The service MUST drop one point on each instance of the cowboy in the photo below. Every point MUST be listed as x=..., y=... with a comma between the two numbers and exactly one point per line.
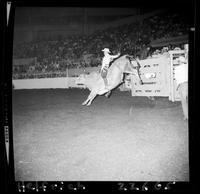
x=145, y=52
x=181, y=75
x=186, y=49
x=106, y=63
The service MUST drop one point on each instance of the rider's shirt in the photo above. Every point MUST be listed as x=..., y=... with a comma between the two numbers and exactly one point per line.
x=106, y=61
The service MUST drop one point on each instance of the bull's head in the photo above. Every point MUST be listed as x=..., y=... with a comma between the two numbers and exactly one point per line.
x=80, y=80
x=134, y=64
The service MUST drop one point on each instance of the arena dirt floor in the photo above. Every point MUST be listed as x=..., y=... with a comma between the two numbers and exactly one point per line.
x=121, y=138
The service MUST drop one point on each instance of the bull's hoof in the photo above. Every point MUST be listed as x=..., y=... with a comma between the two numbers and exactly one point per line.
x=107, y=95
x=151, y=98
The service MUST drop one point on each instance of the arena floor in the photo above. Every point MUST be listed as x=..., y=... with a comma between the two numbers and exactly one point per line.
x=121, y=138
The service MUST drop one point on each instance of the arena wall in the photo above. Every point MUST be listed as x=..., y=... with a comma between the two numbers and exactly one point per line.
x=46, y=83
x=58, y=82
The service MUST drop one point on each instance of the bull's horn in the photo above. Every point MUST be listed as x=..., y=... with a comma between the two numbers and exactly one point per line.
x=129, y=57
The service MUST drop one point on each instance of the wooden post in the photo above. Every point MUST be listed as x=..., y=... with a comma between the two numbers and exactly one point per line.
x=8, y=11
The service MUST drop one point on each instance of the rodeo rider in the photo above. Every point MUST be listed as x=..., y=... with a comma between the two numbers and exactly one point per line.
x=106, y=63
x=181, y=76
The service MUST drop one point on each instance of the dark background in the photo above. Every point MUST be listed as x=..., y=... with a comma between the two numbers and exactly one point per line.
x=186, y=7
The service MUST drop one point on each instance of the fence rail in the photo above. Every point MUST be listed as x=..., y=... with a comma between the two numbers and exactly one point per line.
x=66, y=73
x=25, y=61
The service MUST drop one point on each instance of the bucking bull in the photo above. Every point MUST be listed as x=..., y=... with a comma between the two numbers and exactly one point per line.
x=94, y=82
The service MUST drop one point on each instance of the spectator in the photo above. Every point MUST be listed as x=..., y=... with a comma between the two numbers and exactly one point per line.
x=144, y=52
x=127, y=38
x=181, y=76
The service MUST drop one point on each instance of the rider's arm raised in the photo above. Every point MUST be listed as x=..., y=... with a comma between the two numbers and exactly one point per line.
x=115, y=56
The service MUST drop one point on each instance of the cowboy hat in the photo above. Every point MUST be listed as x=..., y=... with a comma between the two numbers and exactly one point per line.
x=106, y=50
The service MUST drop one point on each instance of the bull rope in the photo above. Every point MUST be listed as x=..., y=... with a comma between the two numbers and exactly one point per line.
x=137, y=68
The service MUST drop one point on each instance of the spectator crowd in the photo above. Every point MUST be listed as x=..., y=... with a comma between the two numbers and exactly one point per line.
x=55, y=57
